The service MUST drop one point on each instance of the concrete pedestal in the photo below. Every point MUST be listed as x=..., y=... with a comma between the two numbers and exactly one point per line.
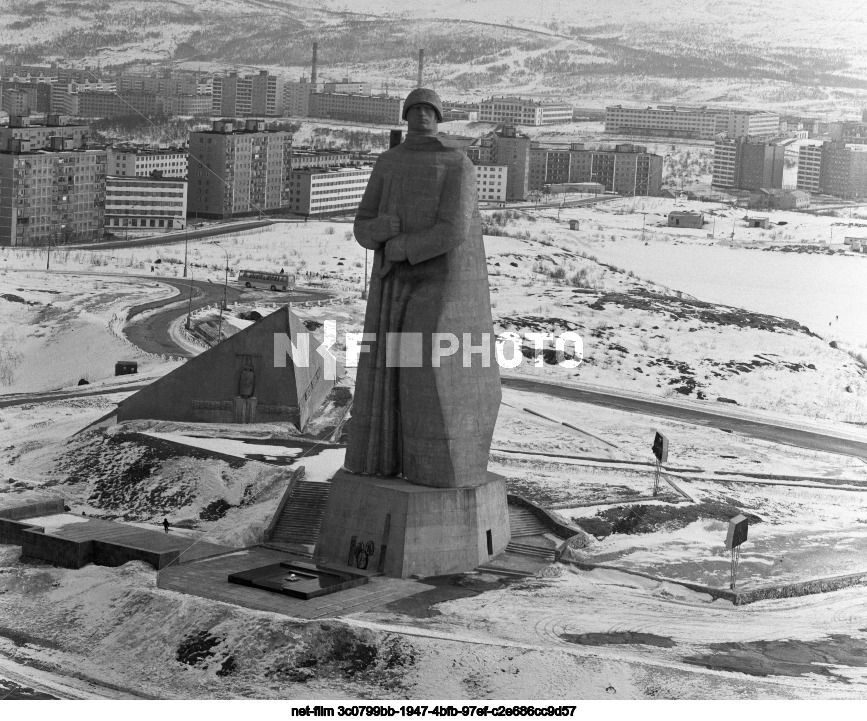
x=245, y=409
x=403, y=529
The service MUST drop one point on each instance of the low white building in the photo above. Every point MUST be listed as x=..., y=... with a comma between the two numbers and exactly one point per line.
x=141, y=162
x=327, y=191
x=153, y=204
x=491, y=182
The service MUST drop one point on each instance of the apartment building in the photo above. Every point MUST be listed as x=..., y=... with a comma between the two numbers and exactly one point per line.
x=843, y=170
x=491, y=182
x=739, y=163
x=512, y=149
x=39, y=135
x=18, y=102
x=327, y=191
x=346, y=85
x=187, y=104
x=809, y=167
x=625, y=169
x=51, y=195
x=99, y=104
x=39, y=100
x=237, y=95
x=131, y=161
x=382, y=109
x=690, y=122
x=152, y=203
x=296, y=97
x=237, y=169
x=310, y=158
x=158, y=85
x=524, y=111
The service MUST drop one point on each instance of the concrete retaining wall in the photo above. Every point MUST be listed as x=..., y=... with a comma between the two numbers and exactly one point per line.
x=46, y=507
x=11, y=532
x=53, y=549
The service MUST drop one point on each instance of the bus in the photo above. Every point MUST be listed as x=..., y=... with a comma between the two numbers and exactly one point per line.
x=260, y=279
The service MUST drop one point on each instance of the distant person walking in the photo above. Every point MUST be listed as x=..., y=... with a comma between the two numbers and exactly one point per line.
x=166, y=525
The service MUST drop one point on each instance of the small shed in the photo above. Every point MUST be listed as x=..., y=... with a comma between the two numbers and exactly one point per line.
x=573, y=225
x=685, y=219
x=125, y=367
x=758, y=222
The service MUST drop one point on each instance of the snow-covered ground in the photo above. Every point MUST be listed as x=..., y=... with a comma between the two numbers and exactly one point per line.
x=481, y=646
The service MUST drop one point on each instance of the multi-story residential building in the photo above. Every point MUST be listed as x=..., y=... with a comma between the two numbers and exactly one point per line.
x=236, y=95
x=130, y=161
x=296, y=97
x=186, y=104
x=153, y=203
x=347, y=86
x=690, y=122
x=40, y=102
x=739, y=163
x=626, y=169
x=39, y=136
x=809, y=167
x=512, y=149
x=327, y=191
x=310, y=158
x=51, y=195
x=523, y=111
x=491, y=181
x=843, y=170
x=157, y=85
x=94, y=104
x=752, y=124
x=17, y=101
x=237, y=169
x=63, y=102
x=359, y=108
x=267, y=94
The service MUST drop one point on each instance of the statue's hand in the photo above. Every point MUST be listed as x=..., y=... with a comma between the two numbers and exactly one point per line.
x=395, y=250
x=385, y=227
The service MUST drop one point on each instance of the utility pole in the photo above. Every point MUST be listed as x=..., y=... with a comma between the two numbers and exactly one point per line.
x=225, y=291
x=364, y=289
x=190, y=305
x=186, y=248
x=643, y=221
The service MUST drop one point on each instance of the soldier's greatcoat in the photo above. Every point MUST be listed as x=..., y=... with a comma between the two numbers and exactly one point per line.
x=432, y=425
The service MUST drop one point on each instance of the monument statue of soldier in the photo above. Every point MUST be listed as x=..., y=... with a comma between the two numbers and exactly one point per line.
x=428, y=387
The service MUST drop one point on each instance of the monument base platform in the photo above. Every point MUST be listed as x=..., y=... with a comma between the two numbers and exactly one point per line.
x=401, y=529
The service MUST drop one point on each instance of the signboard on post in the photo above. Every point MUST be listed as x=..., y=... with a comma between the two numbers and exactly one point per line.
x=737, y=532
x=660, y=447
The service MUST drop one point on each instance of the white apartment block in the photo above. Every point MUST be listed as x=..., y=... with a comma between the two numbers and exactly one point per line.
x=142, y=162
x=359, y=108
x=491, y=180
x=809, y=167
x=335, y=191
x=145, y=204
x=725, y=159
x=690, y=122
x=523, y=111
x=752, y=124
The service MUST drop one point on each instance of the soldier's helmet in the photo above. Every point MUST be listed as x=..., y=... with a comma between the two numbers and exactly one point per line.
x=424, y=96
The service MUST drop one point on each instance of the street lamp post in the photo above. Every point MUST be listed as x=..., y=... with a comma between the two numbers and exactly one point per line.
x=186, y=249
x=364, y=290
x=190, y=304
x=225, y=291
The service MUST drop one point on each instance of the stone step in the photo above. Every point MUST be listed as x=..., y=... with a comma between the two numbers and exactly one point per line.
x=526, y=550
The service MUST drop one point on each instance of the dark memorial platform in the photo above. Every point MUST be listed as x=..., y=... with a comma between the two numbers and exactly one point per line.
x=298, y=579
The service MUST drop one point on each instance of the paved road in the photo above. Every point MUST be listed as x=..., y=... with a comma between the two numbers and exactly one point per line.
x=187, y=235
x=764, y=430
x=151, y=333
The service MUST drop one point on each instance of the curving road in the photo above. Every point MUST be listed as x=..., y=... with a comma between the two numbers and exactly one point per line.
x=752, y=427
x=151, y=334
